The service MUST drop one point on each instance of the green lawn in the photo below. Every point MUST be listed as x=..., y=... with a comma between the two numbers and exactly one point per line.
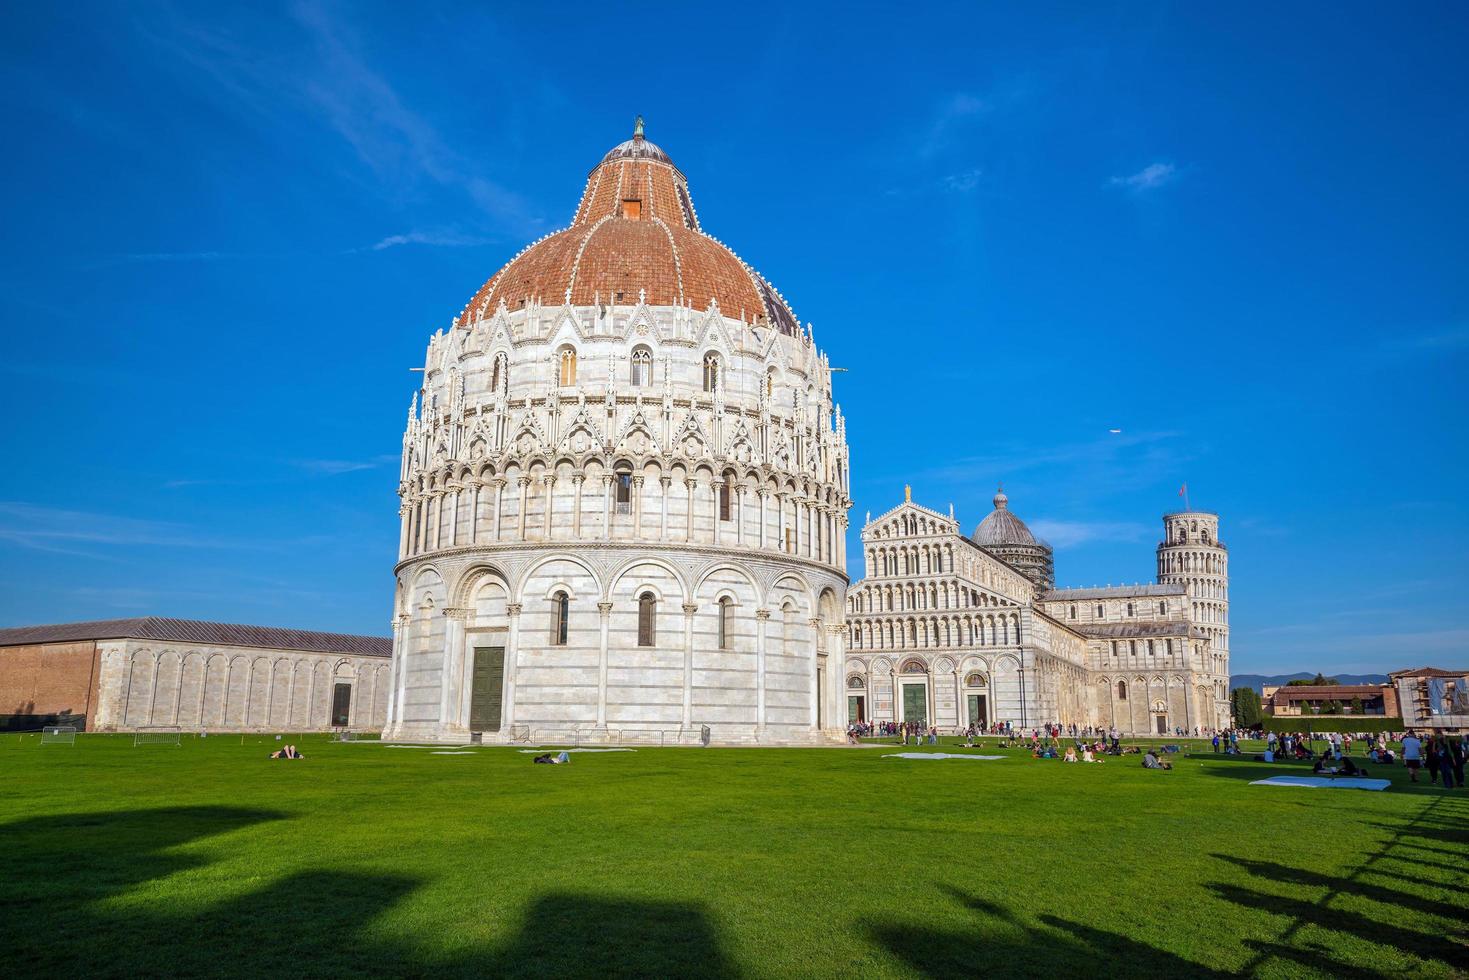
x=206, y=859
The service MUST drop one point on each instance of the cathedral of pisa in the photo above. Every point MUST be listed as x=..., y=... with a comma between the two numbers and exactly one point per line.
x=624, y=498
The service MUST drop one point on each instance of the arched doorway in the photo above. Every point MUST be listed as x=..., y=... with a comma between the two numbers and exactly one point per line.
x=913, y=690
x=976, y=701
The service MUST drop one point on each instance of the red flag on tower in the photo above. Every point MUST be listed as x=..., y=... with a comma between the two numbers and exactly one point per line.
x=1183, y=490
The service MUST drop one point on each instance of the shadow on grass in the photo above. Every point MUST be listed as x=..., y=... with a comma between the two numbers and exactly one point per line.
x=1383, y=930
x=83, y=895
x=1001, y=942
x=1286, y=874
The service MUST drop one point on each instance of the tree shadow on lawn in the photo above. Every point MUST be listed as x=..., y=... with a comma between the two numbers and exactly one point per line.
x=63, y=873
x=1379, y=930
x=1001, y=942
x=1378, y=893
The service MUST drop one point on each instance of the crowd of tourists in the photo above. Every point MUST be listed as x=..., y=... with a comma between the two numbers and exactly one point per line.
x=1443, y=756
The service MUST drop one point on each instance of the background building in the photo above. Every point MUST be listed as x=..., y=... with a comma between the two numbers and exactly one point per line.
x=124, y=674
x=1433, y=699
x=954, y=631
x=624, y=493
x=1366, y=700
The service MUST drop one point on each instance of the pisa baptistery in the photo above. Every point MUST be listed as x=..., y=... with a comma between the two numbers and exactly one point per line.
x=624, y=494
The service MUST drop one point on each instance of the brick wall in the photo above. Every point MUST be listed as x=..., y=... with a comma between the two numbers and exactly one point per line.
x=48, y=679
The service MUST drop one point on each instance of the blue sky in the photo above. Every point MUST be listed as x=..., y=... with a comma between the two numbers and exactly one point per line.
x=1237, y=234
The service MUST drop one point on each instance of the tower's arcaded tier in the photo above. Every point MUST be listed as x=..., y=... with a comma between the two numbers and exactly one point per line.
x=624, y=494
x=1191, y=555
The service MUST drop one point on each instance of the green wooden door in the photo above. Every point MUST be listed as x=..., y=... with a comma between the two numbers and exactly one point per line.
x=915, y=704
x=487, y=689
x=854, y=709
x=976, y=711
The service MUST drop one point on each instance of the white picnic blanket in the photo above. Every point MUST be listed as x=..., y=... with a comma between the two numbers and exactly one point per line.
x=939, y=755
x=1322, y=782
x=464, y=752
x=540, y=751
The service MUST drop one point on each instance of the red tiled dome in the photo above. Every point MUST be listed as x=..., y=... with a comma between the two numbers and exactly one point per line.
x=635, y=229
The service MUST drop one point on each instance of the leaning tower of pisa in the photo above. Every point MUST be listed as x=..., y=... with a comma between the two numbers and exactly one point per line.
x=1191, y=555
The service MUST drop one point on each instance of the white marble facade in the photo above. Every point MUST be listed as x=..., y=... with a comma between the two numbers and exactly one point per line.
x=217, y=688
x=945, y=633
x=671, y=480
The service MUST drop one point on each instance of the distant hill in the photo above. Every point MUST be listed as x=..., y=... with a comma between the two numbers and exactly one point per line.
x=1258, y=681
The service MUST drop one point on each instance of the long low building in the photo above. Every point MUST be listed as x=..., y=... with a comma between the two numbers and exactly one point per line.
x=153, y=672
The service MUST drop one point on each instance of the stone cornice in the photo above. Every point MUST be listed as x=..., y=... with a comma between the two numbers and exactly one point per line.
x=575, y=545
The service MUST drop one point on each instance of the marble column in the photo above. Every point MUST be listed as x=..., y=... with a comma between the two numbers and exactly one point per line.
x=637, y=507
x=512, y=654
x=607, y=481
x=665, y=482
x=577, y=479
x=524, y=483
x=816, y=628
x=689, y=608
x=499, y=503
x=604, y=609
x=762, y=619
x=401, y=643
x=739, y=515
x=452, y=673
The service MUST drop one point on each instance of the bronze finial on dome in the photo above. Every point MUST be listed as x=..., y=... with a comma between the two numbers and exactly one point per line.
x=637, y=128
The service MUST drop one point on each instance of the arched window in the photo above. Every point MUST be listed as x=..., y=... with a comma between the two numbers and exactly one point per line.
x=974, y=680
x=711, y=371
x=1099, y=610
x=724, y=500
x=1129, y=609
x=624, y=493
x=1162, y=608
x=568, y=366
x=560, y=612
x=1073, y=612
x=1122, y=690
x=647, y=611
x=856, y=683
x=641, y=367
x=726, y=622
x=499, y=373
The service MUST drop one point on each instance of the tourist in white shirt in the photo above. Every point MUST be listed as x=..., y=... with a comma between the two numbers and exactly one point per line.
x=1412, y=754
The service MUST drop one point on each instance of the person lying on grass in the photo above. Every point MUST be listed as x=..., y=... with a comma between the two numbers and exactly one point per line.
x=559, y=759
x=1151, y=761
x=288, y=752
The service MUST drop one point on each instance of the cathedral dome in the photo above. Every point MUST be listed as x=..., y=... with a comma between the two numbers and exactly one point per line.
x=636, y=235
x=1002, y=528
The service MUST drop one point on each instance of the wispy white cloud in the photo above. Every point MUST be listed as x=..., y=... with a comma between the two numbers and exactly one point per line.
x=1066, y=534
x=949, y=118
x=331, y=78
x=964, y=182
x=1152, y=176
x=439, y=239
x=1137, y=452
x=1433, y=341
x=62, y=531
x=333, y=467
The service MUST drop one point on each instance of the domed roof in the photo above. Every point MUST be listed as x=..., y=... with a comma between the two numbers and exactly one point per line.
x=635, y=232
x=1002, y=528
